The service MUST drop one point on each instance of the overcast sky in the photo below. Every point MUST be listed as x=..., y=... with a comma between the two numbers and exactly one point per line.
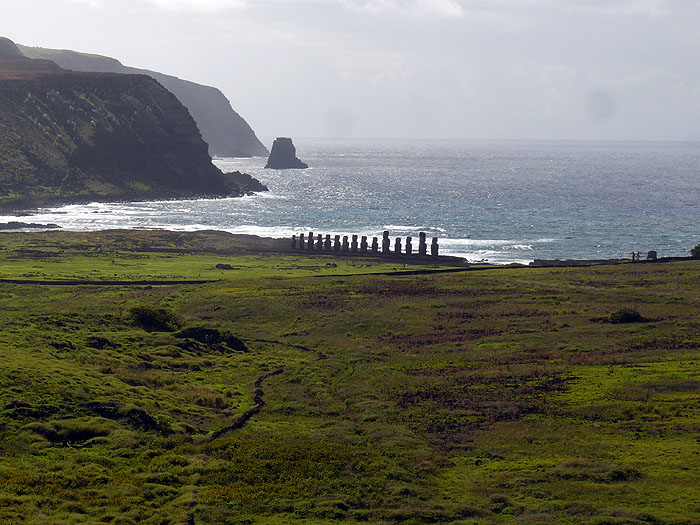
x=491, y=69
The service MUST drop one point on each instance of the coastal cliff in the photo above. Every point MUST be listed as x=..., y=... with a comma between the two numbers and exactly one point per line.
x=74, y=137
x=224, y=130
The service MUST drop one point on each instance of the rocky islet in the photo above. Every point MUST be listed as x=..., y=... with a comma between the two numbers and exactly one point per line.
x=283, y=156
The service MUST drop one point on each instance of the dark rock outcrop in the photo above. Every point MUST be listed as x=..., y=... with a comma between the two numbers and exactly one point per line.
x=14, y=225
x=246, y=183
x=212, y=337
x=224, y=130
x=284, y=156
x=70, y=137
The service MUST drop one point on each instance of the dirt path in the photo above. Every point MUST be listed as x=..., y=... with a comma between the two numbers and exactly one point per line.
x=78, y=282
x=259, y=403
x=281, y=343
x=259, y=400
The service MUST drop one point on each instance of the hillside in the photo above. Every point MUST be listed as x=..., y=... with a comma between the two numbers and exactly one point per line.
x=67, y=137
x=226, y=132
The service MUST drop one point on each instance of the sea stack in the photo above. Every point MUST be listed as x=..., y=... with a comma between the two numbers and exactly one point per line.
x=284, y=156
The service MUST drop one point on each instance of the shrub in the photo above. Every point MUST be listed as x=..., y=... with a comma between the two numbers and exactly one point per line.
x=695, y=252
x=211, y=336
x=152, y=318
x=71, y=430
x=626, y=315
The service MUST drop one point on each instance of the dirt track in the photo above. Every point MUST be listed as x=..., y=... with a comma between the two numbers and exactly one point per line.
x=77, y=282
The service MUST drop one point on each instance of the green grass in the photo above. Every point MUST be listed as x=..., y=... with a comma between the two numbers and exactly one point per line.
x=100, y=257
x=495, y=396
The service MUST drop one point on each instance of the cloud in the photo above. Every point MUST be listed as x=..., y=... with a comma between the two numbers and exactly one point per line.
x=650, y=8
x=89, y=3
x=412, y=8
x=440, y=9
x=432, y=9
x=206, y=6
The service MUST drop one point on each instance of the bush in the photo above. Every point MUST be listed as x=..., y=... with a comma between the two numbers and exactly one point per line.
x=211, y=336
x=626, y=315
x=71, y=430
x=152, y=318
x=695, y=252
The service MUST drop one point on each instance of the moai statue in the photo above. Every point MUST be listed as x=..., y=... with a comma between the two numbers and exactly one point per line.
x=375, y=245
x=397, y=246
x=386, y=243
x=434, y=247
x=310, y=243
x=409, y=246
x=294, y=242
x=336, y=244
x=346, y=244
x=327, y=244
x=422, y=245
x=353, y=246
x=301, y=241
x=319, y=242
x=363, y=244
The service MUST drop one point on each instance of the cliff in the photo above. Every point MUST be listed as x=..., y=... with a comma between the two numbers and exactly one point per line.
x=14, y=65
x=246, y=182
x=75, y=137
x=8, y=49
x=224, y=130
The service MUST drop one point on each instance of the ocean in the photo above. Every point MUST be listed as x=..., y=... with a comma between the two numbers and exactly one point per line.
x=496, y=201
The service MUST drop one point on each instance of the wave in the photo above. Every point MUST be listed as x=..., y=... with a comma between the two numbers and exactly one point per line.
x=503, y=244
x=266, y=195
x=276, y=232
x=404, y=228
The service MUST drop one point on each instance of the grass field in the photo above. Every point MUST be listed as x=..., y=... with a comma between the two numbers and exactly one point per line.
x=497, y=396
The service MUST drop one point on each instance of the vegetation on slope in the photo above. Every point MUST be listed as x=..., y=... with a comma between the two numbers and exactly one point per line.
x=481, y=397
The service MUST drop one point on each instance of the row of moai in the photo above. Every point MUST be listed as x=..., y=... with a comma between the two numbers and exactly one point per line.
x=321, y=244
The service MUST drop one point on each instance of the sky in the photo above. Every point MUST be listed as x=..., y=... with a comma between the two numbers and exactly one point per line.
x=463, y=69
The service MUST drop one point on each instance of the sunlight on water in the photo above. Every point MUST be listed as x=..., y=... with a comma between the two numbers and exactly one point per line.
x=496, y=201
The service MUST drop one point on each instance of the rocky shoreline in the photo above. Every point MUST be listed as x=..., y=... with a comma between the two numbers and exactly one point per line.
x=225, y=243
x=244, y=183
x=16, y=225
